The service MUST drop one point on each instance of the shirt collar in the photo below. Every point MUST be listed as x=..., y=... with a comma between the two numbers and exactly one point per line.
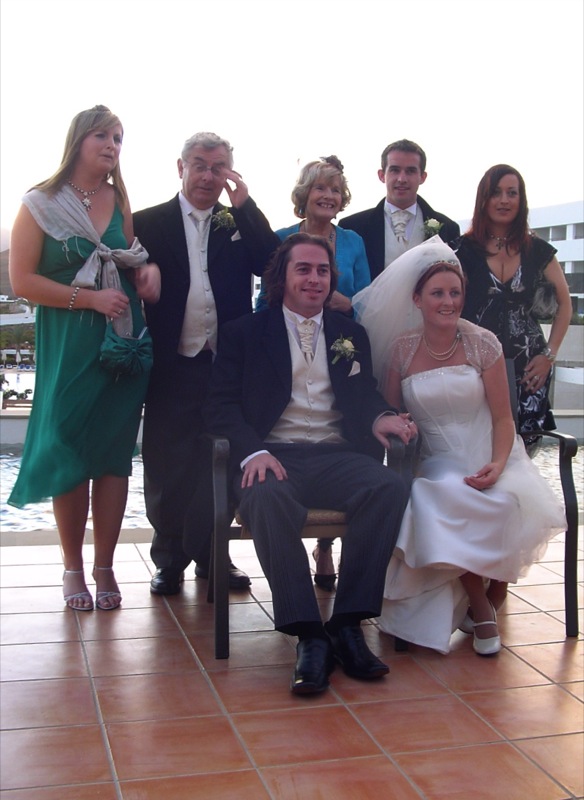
x=389, y=207
x=294, y=317
x=188, y=208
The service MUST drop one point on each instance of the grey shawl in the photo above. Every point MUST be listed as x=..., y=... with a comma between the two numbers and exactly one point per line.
x=63, y=217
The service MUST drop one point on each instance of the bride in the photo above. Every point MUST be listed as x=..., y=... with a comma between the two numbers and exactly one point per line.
x=480, y=513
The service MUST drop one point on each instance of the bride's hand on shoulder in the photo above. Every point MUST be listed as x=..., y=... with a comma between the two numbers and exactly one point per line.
x=485, y=477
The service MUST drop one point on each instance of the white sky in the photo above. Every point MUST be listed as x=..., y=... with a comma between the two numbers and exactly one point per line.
x=484, y=81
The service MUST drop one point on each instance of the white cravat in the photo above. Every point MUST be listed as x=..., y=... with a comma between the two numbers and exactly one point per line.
x=201, y=223
x=399, y=221
x=306, y=333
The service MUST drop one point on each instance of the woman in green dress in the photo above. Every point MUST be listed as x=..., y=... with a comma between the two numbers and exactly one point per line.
x=73, y=253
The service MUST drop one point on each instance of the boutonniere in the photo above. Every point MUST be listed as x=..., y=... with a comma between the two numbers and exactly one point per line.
x=223, y=219
x=432, y=227
x=344, y=348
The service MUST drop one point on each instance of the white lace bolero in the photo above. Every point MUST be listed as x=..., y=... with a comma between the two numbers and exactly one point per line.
x=481, y=347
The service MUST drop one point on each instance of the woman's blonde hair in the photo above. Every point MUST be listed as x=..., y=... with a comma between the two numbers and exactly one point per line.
x=325, y=169
x=93, y=119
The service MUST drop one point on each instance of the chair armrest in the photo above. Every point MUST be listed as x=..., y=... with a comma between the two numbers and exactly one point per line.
x=220, y=462
x=401, y=458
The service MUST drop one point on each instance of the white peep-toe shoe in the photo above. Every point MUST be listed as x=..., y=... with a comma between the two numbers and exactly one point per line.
x=490, y=646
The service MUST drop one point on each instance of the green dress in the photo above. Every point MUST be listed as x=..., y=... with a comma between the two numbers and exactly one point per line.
x=84, y=420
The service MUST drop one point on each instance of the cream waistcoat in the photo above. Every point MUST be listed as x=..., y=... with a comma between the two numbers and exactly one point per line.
x=310, y=417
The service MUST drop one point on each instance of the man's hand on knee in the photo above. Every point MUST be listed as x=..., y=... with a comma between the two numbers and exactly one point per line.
x=258, y=466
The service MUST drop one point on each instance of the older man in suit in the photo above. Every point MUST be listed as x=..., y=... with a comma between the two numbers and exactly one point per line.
x=403, y=219
x=207, y=256
x=293, y=390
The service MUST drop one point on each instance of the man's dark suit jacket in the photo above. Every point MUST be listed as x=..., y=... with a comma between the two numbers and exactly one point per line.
x=234, y=255
x=370, y=225
x=252, y=382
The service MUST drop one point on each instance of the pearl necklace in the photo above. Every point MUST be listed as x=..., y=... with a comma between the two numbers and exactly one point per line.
x=447, y=353
x=86, y=195
x=501, y=241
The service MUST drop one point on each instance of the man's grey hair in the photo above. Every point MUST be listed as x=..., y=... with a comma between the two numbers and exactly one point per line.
x=209, y=141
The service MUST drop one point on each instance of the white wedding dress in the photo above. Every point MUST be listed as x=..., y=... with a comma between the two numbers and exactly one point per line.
x=450, y=528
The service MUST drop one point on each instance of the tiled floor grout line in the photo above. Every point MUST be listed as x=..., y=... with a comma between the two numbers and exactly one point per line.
x=504, y=739
x=102, y=724
x=533, y=760
x=383, y=750
x=515, y=648
x=224, y=711
x=512, y=742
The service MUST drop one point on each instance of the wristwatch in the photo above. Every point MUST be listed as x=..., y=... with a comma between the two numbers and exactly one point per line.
x=547, y=352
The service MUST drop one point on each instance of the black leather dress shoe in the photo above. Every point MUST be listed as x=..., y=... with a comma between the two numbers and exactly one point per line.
x=166, y=581
x=314, y=663
x=237, y=578
x=352, y=653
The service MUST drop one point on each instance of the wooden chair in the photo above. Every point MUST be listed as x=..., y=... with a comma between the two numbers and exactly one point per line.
x=567, y=449
x=320, y=523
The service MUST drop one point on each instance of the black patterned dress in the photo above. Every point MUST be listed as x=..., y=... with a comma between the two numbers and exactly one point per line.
x=506, y=309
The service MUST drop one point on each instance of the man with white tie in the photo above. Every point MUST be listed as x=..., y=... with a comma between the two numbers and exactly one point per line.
x=403, y=219
x=207, y=255
x=293, y=391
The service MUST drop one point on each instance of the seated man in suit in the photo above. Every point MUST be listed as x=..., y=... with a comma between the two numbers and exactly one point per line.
x=404, y=219
x=292, y=389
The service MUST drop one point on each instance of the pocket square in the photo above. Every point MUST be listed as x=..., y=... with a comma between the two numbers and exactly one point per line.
x=236, y=236
x=355, y=369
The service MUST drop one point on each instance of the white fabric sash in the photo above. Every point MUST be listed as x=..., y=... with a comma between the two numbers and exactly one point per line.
x=62, y=217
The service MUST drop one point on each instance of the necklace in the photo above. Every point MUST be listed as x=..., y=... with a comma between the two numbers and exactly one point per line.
x=331, y=235
x=501, y=241
x=447, y=353
x=86, y=195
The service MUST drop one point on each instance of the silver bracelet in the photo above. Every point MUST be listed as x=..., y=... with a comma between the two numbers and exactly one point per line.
x=73, y=298
x=547, y=352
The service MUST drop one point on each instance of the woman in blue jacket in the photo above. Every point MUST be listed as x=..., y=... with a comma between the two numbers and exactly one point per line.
x=320, y=193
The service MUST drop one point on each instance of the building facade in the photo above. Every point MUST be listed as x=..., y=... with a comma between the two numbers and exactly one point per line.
x=563, y=227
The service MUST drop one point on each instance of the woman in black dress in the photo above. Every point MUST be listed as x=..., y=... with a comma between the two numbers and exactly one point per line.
x=514, y=281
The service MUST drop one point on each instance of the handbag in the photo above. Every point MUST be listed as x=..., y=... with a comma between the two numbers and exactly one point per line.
x=545, y=300
x=126, y=355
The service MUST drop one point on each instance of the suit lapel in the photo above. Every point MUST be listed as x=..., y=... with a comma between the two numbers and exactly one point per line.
x=377, y=239
x=427, y=211
x=339, y=372
x=172, y=232
x=218, y=237
x=275, y=341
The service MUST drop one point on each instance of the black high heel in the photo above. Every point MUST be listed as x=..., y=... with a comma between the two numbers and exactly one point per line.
x=323, y=552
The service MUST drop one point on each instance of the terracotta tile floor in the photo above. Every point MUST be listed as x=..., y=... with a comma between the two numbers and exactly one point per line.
x=132, y=705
